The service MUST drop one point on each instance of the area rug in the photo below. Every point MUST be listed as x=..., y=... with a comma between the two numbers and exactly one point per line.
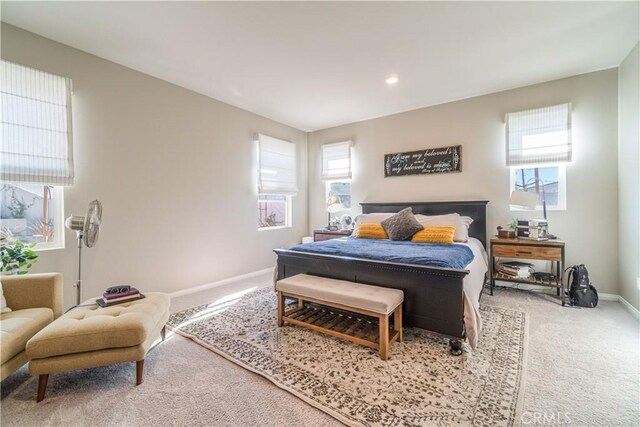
x=420, y=385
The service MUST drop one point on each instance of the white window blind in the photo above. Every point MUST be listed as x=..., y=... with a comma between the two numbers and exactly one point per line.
x=37, y=140
x=276, y=166
x=538, y=136
x=336, y=160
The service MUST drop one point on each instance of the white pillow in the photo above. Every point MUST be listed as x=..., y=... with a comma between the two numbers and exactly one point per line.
x=3, y=302
x=372, y=218
x=460, y=222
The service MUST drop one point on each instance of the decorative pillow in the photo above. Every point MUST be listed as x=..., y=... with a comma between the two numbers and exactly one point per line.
x=3, y=302
x=402, y=225
x=441, y=234
x=371, y=231
x=461, y=224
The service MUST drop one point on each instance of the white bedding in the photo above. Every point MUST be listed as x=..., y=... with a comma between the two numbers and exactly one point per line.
x=472, y=288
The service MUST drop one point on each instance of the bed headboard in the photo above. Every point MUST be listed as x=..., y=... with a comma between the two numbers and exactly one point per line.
x=476, y=209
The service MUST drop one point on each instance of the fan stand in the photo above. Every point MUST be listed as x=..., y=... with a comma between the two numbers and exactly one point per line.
x=78, y=285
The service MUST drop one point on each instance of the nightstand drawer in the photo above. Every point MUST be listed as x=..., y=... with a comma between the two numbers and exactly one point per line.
x=528, y=252
x=323, y=234
x=319, y=237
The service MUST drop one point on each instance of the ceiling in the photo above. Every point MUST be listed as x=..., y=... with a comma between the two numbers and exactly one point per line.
x=318, y=65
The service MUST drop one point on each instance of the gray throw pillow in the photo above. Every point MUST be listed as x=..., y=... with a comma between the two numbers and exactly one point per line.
x=401, y=226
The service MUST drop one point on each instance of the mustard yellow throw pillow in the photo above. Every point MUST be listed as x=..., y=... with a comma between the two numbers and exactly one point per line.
x=441, y=234
x=371, y=231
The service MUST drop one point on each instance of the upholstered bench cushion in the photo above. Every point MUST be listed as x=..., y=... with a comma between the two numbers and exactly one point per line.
x=17, y=327
x=357, y=295
x=94, y=328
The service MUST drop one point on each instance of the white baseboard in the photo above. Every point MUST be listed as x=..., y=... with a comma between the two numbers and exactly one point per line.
x=219, y=283
x=608, y=297
x=615, y=297
x=631, y=309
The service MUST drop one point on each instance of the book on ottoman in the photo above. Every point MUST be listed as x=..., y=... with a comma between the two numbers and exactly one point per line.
x=119, y=294
x=104, y=302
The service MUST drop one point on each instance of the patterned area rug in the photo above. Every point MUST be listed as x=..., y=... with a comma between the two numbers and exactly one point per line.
x=420, y=385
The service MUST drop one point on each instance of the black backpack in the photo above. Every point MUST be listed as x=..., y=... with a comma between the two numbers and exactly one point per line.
x=581, y=292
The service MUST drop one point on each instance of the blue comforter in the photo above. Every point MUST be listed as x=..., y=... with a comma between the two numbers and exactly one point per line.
x=427, y=254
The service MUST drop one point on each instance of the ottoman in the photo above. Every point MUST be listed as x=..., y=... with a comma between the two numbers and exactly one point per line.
x=91, y=336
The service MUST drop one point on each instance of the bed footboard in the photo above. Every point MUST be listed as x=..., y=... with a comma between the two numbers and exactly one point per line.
x=433, y=297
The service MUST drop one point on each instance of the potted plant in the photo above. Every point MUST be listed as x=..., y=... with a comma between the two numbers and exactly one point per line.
x=17, y=258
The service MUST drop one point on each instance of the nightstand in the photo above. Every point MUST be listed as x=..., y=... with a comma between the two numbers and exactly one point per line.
x=540, y=250
x=320, y=234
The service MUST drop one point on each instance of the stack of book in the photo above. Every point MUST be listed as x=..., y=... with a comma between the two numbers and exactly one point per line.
x=109, y=299
x=515, y=269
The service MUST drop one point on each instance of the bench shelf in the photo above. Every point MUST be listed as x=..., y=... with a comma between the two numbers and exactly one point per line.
x=358, y=326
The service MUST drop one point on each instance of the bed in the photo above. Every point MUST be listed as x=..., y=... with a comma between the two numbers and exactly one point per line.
x=439, y=299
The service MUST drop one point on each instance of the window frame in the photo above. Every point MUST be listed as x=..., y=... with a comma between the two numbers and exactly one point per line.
x=562, y=185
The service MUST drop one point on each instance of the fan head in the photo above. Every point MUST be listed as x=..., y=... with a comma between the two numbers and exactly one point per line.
x=87, y=227
x=92, y=222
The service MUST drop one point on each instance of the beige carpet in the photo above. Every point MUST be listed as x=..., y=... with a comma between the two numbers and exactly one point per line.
x=421, y=384
x=186, y=384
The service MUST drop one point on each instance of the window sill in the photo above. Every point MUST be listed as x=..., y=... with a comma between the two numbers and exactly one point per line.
x=48, y=248
x=539, y=209
x=282, y=227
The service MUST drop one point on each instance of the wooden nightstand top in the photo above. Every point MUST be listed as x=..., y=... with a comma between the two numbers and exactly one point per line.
x=503, y=241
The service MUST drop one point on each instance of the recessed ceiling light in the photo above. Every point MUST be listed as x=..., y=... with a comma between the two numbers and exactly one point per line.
x=392, y=79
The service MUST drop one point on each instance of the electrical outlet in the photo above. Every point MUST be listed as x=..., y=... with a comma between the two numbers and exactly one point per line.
x=638, y=282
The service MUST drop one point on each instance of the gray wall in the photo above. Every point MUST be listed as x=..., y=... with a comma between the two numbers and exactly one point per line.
x=175, y=172
x=589, y=225
x=629, y=177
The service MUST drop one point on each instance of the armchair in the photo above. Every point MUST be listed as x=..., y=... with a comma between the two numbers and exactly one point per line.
x=35, y=301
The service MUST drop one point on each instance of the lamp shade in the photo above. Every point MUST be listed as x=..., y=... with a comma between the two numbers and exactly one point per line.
x=524, y=199
x=334, y=204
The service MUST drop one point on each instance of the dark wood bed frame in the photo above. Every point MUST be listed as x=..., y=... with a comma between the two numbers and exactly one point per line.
x=433, y=298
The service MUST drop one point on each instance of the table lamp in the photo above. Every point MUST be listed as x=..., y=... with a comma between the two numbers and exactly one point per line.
x=528, y=199
x=333, y=205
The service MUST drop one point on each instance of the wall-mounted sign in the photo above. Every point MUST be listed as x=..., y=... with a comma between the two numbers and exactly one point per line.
x=431, y=160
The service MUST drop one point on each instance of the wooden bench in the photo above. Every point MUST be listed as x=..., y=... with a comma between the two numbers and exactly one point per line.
x=331, y=303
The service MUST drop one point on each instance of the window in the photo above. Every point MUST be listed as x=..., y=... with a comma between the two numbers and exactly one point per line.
x=273, y=211
x=32, y=213
x=277, y=182
x=342, y=189
x=538, y=146
x=36, y=154
x=547, y=180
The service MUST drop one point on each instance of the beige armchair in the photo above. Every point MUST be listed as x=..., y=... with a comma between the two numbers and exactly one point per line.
x=35, y=301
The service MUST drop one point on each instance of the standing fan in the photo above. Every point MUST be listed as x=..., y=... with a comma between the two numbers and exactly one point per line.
x=87, y=228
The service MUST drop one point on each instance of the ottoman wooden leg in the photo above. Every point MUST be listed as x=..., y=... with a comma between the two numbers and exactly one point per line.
x=163, y=332
x=42, y=386
x=139, y=371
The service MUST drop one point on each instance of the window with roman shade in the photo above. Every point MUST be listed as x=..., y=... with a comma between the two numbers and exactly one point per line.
x=336, y=160
x=37, y=138
x=539, y=136
x=276, y=166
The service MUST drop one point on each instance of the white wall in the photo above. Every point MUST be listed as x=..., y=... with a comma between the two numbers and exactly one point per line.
x=589, y=225
x=629, y=177
x=175, y=172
